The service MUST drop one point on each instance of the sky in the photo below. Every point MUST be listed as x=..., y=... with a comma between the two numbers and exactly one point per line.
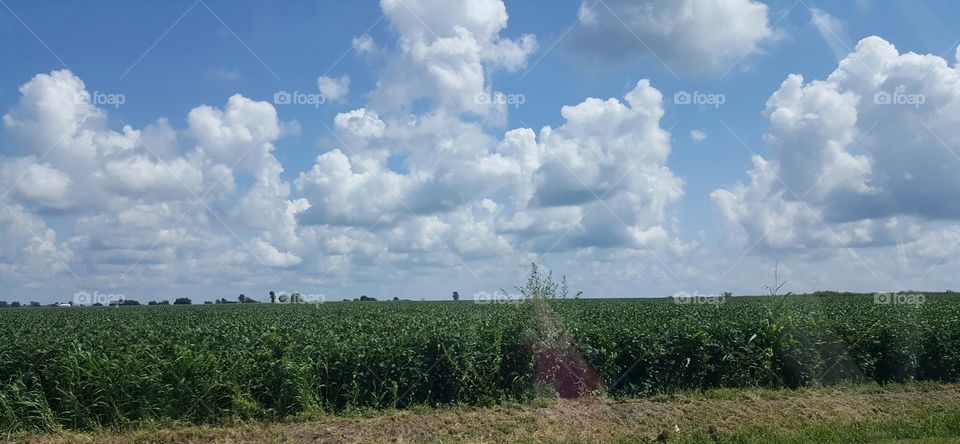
x=413, y=148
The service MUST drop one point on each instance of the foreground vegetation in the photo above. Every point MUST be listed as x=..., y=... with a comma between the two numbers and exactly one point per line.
x=114, y=367
x=918, y=412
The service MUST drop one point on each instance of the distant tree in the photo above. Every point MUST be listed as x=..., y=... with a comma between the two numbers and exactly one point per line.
x=4, y=304
x=295, y=298
x=152, y=303
x=396, y=298
x=242, y=298
x=727, y=294
x=456, y=296
x=182, y=301
x=273, y=297
x=208, y=303
x=97, y=304
x=34, y=304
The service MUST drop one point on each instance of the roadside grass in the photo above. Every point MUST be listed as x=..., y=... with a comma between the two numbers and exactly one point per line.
x=919, y=426
x=915, y=412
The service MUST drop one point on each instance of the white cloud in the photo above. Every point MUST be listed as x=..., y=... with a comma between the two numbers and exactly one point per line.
x=444, y=50
x=612, y=152
x=334, y=89
x=271, y=256
x=54, y=119
x=698, y=135
x=360, y=124
x=140, y=176
x=241, y=134
x=144, y=210
x=29, y=250
x=364, y=45
x=849, y=162
x=36, y=184
x=341, y=193
x=689, y=36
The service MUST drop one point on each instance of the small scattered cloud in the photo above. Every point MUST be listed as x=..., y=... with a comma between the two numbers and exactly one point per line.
x=334, y=89
x=364, y=45
x=231, y=75
x=698, y=136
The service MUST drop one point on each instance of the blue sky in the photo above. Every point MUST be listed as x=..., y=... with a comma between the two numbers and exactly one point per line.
x=421, y=189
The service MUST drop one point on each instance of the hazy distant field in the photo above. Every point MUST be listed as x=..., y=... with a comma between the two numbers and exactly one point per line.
x=86, y=368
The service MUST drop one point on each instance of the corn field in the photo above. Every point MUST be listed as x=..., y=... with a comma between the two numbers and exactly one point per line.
x=92, y=368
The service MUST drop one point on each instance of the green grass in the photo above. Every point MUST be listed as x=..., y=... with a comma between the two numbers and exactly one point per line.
x=928, y=425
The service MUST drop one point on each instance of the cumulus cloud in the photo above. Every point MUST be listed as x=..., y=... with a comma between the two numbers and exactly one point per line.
x=239, y=135
x=271, y=256
x=421, y=177
x=418, y=185
x=361, y=123
x=141, y=205
x=444, y=49
x=29, y=249
x=615, y=153
x=855, y=156
x=688, y=36
x=341, y=193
